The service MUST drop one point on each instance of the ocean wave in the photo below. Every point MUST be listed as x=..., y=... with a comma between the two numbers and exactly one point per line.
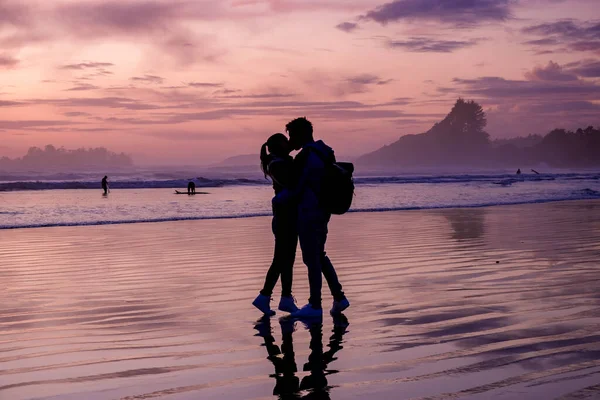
x=137, y=184
x=497, y=179
x=583, y=194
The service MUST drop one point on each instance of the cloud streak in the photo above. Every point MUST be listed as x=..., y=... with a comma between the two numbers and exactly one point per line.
x=571, y=34
x=7, y=61
x=148, y=79
x=86, y=65
x=428, y=45
x=457, y=13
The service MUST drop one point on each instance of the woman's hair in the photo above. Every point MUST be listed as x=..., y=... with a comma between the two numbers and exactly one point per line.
x=274, y=146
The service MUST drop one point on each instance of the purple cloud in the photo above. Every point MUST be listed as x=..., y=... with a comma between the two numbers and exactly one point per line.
x=148, y=79
x=259, y=96
x=205, y=85
x=492, y=88
x=25, y=124
x=86, y=65
x=571, y=34
x=75, y=114
x=585, y=68
x=426, y=45
x=82, y=87
x=459, y=13
x=551, y=72
x=8, y=103
x=367, y=79
x=347, y=26
x=7, y=61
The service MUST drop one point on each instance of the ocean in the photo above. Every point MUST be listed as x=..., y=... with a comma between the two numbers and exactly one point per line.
x=76, y=199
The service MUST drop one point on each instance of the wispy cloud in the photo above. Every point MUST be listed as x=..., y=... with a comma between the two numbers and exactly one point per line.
x=589, y=68
x=459, y=13
x=569, y=34
x=205, y=84
x=147, y=79
x=347, y=26
x=7, y=61
x=82, y=87
x=86, y=65
x=428, y=45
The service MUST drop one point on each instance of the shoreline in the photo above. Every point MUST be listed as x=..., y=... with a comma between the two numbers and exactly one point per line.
x=260, y=215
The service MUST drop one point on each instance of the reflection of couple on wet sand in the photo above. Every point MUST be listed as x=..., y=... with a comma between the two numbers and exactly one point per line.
x=287, y=384
x=301, y=212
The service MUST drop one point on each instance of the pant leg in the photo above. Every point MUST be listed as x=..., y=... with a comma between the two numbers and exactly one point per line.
x=327, y=267
x=331, y=277
x=312, y=232
x=286, y=241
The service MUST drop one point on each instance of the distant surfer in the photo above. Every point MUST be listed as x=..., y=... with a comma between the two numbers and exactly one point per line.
x=191, y=188
x=105, y=185
x=519, y=171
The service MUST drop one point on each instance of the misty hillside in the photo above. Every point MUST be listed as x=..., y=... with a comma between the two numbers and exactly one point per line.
x=239, y=161
x=460, y=139
x=61, y=159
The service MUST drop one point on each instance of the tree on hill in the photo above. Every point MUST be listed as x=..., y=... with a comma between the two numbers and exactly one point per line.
x=460, y=138
x=51, y=157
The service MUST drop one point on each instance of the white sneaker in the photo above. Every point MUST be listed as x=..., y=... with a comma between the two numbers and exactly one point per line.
x=262, y=303
x=288, y=304
x=308, y=312
x=339, y=306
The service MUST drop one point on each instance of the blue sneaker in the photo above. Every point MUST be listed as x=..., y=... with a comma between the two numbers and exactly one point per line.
x=308, y=312
x=262, y=303
x=288, y=304
x=339, y=306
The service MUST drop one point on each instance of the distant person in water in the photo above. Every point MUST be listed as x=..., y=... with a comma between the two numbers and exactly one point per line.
x=277, y=164
x=519, y=171
x=191, y=187
x=105, y=185
x=309, y=166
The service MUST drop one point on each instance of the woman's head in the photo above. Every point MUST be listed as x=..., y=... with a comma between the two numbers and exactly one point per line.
x=277, y=145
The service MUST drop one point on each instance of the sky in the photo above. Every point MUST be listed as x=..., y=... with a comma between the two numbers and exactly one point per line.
x=196, y=81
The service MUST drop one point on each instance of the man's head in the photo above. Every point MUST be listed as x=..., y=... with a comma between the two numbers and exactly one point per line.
x=300, y=131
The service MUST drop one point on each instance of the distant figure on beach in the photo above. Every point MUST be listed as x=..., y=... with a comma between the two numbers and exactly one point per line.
x=277, y=164
x=519, y=171
x=313, y=218
x=191, y=187
x=105, y=185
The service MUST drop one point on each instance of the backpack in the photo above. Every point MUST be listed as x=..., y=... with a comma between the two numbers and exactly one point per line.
x=337, y=188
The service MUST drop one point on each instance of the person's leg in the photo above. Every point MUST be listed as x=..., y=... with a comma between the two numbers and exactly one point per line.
x=288, y=235
x=327, y=267
x=310, y=233
x=335, y=287
x=275, y=268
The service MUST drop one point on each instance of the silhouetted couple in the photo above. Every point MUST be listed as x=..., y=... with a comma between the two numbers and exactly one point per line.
x=287, y=384
x=298, y=214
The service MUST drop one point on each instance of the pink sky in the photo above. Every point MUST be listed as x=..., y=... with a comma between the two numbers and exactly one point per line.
x=196, y=81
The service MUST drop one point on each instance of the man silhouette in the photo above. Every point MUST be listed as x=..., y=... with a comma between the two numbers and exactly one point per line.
x=309, y=165
x=105, y=185
x=191, y=187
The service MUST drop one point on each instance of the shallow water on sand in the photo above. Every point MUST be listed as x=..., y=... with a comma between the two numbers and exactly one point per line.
x=498, y=302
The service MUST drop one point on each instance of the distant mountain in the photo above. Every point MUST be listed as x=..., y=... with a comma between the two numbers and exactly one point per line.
x=242, y=160
x=460, y=140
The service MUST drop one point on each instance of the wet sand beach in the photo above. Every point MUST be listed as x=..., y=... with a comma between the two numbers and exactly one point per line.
x=475, y=303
